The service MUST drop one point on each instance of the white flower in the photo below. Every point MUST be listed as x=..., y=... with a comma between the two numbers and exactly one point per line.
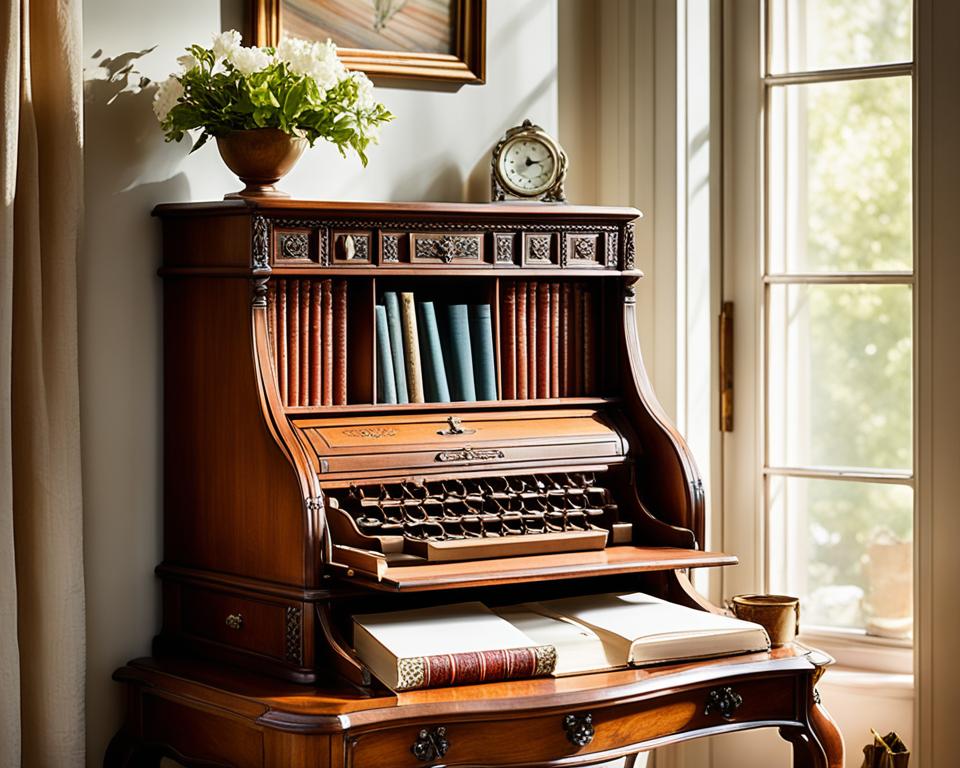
x=249, y=60
x=187, y=62
x=167, y=96
x=226, y=43
x=365, y=98
x=316, y=60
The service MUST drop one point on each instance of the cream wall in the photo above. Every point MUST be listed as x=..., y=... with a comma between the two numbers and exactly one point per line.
x=438, y=149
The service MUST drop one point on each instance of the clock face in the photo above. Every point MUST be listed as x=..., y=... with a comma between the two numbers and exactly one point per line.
x=528, y=167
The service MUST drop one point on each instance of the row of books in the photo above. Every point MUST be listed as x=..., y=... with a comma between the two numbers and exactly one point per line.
x=548, y=339
x=308, y=330
x=472, y=643
x=429, y=353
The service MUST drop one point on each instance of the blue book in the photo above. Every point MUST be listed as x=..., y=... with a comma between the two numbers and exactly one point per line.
x=460, y=357
x=386, y=381
x=481, y=345
x=431, y=355
x=392, y=305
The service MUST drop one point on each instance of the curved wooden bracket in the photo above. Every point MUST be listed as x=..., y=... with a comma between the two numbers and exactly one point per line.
x=345, y=660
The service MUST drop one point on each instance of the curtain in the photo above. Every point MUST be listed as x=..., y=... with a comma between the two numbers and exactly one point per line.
x=42, y=633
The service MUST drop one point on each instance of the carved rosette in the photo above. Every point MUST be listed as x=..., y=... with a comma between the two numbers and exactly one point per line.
x=294, y=634
x=260, y=245
x=293, y=245
x=538, y=249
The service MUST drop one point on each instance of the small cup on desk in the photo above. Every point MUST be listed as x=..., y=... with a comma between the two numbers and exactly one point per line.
x=778, y=614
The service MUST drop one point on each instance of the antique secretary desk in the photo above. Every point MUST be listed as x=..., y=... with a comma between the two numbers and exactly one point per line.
x=294, y=499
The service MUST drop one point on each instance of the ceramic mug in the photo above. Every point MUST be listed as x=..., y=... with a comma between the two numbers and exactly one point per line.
x=778, y=614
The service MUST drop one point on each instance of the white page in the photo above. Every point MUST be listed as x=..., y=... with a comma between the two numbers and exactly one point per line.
x=459, y=628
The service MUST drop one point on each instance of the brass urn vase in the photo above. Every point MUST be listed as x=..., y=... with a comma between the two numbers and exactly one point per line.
x=260, y=157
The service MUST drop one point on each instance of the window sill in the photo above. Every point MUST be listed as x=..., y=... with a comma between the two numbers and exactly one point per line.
x=857, y=652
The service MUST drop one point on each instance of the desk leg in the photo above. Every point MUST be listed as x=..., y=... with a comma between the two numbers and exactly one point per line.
x=818, y=746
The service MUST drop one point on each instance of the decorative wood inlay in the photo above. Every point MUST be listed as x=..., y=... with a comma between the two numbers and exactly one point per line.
x=503, y=248
x=448, y=248
x=293, y=245
x=629, y=248
x=537, y=249
x=581, y=249
x=294, y=634
x=612, y=241
x=259, y=246
x=469, y=454
x=370, y=433
x=390, y=248
x=351, y=247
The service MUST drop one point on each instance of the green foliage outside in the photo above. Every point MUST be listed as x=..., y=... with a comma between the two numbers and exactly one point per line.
x=858, y=217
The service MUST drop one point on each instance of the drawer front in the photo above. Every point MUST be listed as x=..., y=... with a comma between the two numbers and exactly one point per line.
x=515, y=739
x=258, y=626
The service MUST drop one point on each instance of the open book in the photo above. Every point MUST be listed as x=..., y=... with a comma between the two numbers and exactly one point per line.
x=470, y=643
x=637, y=629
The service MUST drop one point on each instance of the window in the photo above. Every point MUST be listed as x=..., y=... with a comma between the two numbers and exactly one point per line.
x=836, y=292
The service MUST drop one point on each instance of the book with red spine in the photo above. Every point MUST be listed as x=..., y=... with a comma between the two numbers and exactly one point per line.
x=566, y=340
x=554, y=339
x=508, y=341
x=532, y=346
x=316, y=344
x=340, y=342
x=521, y=365
x=303, y=342
x=293, y=342
x=544, y=343
x=280, y=336
x=326, y=304
x=577, y=332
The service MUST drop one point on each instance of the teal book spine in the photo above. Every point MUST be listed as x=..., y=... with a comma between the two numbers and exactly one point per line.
x=481, y=345
x=461, y=357
x=431, y=354
x=392, y=306
x=386, y=381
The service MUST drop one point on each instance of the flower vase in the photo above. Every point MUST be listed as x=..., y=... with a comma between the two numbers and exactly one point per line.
x=260, y=157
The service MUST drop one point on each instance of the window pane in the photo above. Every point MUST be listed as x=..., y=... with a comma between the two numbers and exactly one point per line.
x=840, y=376
x=840, y=176
x=846, y=550
x=810, y=35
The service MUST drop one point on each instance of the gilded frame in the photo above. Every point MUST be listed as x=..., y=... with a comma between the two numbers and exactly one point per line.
x=466, y=65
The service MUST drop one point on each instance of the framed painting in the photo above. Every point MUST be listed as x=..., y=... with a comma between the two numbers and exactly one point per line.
x=438, y=40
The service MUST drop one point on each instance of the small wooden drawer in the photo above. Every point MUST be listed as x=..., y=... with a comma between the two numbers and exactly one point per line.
x=512, y=739
x=248, y=624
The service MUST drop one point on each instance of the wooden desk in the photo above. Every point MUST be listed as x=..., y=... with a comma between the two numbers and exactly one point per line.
x=207, y=715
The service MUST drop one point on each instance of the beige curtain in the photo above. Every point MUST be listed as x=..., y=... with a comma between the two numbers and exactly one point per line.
x=42, y=633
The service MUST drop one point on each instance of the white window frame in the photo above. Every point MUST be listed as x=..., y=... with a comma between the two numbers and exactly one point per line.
x=747, y=86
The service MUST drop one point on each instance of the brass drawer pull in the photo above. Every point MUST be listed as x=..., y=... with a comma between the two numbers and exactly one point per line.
x=579, y=729
x=235, y=621
x=431, y=744
x=726, y=701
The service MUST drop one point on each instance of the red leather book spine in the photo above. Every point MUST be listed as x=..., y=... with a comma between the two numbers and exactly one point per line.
x=589, y=345
x=577, y=328
x=532, y=347
x=327, y=325
x=340, y=342
x=554, y=335
x=280, y=337
x=486, y=666
x=293, y=342
x=544, y=344
x=508, y=341
x=316, y=344
x=522, y=390
x=304, y=342
x=567, y=340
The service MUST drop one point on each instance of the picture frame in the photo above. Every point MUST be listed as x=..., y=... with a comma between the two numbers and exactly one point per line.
x=463, y=63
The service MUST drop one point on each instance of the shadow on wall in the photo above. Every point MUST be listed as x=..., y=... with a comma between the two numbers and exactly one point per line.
x=127, y=168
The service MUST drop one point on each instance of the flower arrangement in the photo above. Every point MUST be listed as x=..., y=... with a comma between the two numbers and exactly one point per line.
x=300, y=87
